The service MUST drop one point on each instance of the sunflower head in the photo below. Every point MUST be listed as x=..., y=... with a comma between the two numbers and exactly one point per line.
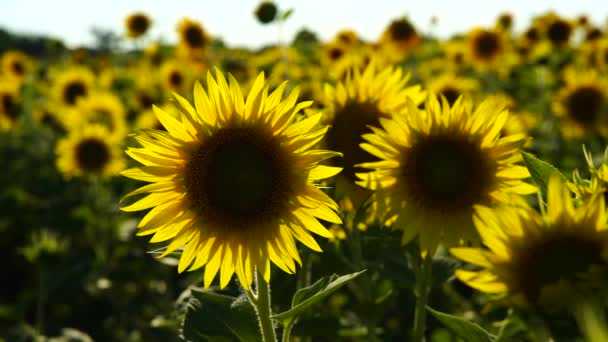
x=15, y=65
x=504, y=21
x=90, y=150
x=71, y=85
x=173, y=76
x=582, y=104
x=399, y=37
x=192, y=36
x=545, y=260
x=232, y=180
x=10, y=106
x=137, y=24
x=102, y=108
x=452, y=87
x=436, y=165
x=559, y=32
x=486, y=47
x=266, y=12
x=355, y=105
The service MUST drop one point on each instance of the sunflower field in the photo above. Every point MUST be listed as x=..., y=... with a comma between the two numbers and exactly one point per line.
x=407, y=188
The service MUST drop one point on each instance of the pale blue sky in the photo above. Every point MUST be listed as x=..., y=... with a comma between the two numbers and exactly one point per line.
x=71, y=20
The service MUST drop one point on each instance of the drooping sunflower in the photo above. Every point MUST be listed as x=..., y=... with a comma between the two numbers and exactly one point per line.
x=72, y=84
x=233, y=180
x=544, y=260
x=436, y=165
x=486, y=47
x=582, y=104
x=89, y=151
x=192, y=37
x=137, y=24
x=10, y=107
x=356, y=104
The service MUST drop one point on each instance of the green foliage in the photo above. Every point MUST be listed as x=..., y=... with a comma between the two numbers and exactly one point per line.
x=541, y=171
x=465, y=329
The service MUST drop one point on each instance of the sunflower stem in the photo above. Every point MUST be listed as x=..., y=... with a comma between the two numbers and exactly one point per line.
x=261, y=304
x=423, y=286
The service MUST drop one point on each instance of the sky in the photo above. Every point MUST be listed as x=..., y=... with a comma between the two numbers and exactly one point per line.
x=233, y=21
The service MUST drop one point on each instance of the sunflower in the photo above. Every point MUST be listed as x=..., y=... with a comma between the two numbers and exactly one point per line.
x=436, y=165
x=10, y=107
x=544, y=260
x=15, y=65
x=192, y=37
x=173, y=76
x=558, y=31
x=137, y=24
x=356, y=104
x=100, y=108
x=266, y=12
x=504, y=22
x=233, y=181
x=486, y=47
x=399, y=38
x=71, y=85
x=452, y=87
x=582, y=103
x=89, y=151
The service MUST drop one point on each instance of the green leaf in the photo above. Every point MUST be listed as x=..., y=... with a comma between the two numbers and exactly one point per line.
x=309, y=296
x=286, y=14
x=541, y=171
x=466, y=330
x=214, y=317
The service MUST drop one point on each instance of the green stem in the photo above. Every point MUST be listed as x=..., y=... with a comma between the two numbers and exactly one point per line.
x=261, y=304
x=423, y=285
x=287, y=332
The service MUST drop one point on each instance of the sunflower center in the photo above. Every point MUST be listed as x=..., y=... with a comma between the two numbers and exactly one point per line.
x=176, y=79
x=335, y=53
x=266, y=12
x=345, y=134
x=18, y=68
x=559, y=32
x=486, y=45
x=194, y=36
x=593, y=34
x=73, y=91
x=139, y=24
x=446, y=173
x=239, y=177
x=92, y=154
x=9, y=106
x=555, y=258
x=585, y=104
x=451, y=94
x=532, y=34
x=146, y=101
x=401, y=30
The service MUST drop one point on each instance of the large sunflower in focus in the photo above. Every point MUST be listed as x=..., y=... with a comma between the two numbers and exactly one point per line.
x=545, y=260
x=582, y=104
x=486, y=47
x=436, y=165
x=356, y=104
x=232, y=180
x=89, y=151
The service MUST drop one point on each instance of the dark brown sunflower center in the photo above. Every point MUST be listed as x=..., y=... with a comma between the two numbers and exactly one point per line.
x=9, y=106
x=532, y=34
x=176, y=79
x=73, y=91
x=505, y=21
x=451, y=94
x=335, y=53
x=139, y=24
x=239, y=177
x=18, y=68
x=558, y=257
x=266, y=12
x=559, y=32
x=594, y=34
x=402, y=30
x=344, y=136
x=92, y=154
x=145, y=101
x=446, y=172
x=585, y=104
x=486, y=45
x=194, y=36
